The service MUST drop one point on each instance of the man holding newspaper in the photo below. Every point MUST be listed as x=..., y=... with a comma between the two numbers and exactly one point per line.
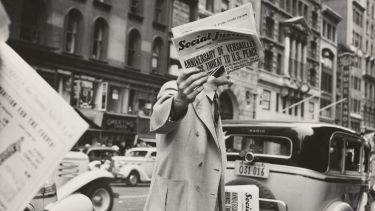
x=191, y=162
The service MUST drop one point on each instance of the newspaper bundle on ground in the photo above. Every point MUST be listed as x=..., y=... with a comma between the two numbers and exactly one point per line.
x=227, y=39
x=242, y=198
x=37, y=128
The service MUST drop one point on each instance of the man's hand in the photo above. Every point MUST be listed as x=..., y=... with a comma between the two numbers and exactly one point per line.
x=189, y=85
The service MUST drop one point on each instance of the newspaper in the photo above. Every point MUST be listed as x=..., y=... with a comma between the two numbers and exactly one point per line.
x=228, y=39
x=241, y=198
x=37, y=128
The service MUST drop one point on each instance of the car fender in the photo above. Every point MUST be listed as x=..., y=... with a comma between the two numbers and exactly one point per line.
x=125, y=171
x=81, y=180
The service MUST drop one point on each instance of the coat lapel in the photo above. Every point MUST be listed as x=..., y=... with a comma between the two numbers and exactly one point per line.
x=202, y=107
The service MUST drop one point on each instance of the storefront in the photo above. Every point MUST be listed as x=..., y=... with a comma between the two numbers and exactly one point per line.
x=111, y=129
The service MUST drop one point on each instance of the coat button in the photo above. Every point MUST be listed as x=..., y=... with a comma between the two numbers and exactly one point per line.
x=200, y=164
x=197, y=134
x=217, y=170
x=197, y=188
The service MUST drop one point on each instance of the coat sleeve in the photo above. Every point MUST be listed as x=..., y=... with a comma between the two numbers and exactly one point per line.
x=160, y=121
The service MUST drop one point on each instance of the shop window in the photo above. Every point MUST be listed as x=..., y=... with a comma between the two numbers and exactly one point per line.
x=156, y=55
x=32, y=20
x=115, y=99
x=72, y=31
x=100, y=39
x=159, y=11
x=65, y=86
x=134, y=48
x=83, y=93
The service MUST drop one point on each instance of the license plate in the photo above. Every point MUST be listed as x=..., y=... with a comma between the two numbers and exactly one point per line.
x=253, y=170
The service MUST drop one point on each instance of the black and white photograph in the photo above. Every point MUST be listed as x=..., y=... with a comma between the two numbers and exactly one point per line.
x=187, y=105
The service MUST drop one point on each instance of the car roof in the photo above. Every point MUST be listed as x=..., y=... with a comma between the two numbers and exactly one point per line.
x=143, y=149
x=101, y=148
x=281, y=123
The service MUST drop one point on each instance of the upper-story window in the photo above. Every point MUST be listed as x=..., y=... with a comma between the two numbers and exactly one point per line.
x=100, y=39
x=329, y=31
x=136, y=7
x=32, y=20
x=159, y=11
x=314, y=19
x=73, y=28
x=134, y=48
x=210, y=5
x=156, y=54
x=357, y=17
x=268, y=60
x=269, y=27
x=224, y=5
x=312, y=78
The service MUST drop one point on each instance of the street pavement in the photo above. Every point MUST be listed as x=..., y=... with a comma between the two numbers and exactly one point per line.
x=130, y=198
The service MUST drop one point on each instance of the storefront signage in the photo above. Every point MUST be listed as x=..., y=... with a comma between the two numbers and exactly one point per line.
x=345, y=62
x=122, y=123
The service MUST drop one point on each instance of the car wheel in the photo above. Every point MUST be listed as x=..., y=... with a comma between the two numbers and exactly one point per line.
x=101, y=195
x=264, y=192
x=133, y=178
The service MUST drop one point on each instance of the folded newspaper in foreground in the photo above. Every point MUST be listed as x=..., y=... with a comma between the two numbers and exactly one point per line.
x=37, y=128
x=227, y=39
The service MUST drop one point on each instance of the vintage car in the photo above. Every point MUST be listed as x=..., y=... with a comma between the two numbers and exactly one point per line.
x=100, y=157
x=299, y=166
x=72, y=180
x=136, y=166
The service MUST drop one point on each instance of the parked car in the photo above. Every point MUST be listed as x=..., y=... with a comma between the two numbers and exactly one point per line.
x=72, y=179
x=136, y=166
x=299, y=166
x=100, y=157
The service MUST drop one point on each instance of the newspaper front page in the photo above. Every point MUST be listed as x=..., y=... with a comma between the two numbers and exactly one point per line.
x=226, y=39
x=37, y=128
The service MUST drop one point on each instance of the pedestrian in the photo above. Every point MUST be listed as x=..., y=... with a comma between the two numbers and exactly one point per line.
x=191, y=159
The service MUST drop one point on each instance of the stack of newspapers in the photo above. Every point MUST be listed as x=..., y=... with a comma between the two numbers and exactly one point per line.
x=228, y=39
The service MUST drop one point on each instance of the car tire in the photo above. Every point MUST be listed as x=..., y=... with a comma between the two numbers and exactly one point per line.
x=101, y=195
x=133, y=178
x=264, y=192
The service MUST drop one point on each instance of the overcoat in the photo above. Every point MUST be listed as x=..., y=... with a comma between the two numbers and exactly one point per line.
x=189, y=171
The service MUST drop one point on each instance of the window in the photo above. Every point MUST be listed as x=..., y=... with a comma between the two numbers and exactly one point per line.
x=136, y=7
x=327, y=111
x=277, y=102
x=156, y=54
x=224, y=5
x=312, y=79
x=267, y=146
x=32, y=20
x=311, y=110
x=159, y=11
x=279, y=63
x=313, y=49
x=269, y=27
x=314, y=19
x=210, y=5
x=268, y=60
x=326, y=82
x=100, y=39
x=134, y=48
x=72, y=29
x=266, y=100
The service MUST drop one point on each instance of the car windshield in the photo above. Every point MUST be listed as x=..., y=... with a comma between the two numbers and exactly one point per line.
x=267, y=146
x=137, y=153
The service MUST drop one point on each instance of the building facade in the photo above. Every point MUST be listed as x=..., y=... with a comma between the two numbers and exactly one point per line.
x=329, y=83
x=107, y=58
x=356, y=38
x=289, y=78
